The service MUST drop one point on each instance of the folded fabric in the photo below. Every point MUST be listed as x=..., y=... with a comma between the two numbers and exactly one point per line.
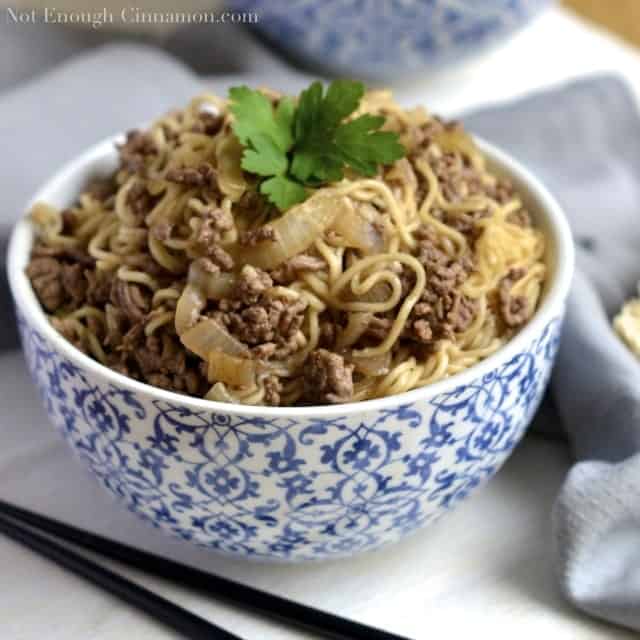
x=583, y=141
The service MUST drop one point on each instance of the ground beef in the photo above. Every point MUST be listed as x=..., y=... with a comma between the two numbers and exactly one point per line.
x=266, y=324
x=442, y=310
x=252, y=283
x=59, y=277
x=46, y=277
x=457, y=178
x=134, y=152
x=379, y=327
x=422, y=331
x=443, y=272
x=65, y=254
x=158, y=359
x=163, y=354
x=131, y=298
x=272, y=389
x=465, y=223
x=200, y=176
x=461, y=315
x=99, y=286
x=220, y=257
x=327, y=379
x=74, y=283
x=215, y=221
x=268, y=321
x=254, y=236
x=514, y=310
x=140, y=201
x=116, y=321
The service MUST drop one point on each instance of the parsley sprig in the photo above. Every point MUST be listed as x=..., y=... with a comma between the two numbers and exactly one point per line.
x=296, y=147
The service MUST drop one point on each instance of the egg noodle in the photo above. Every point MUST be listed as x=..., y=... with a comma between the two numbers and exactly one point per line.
x=381, y=276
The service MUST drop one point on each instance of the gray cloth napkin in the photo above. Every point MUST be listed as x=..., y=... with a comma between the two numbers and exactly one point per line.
x=581, y=139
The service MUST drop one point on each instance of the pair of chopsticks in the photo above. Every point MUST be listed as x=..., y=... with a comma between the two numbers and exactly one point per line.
x=27, y=527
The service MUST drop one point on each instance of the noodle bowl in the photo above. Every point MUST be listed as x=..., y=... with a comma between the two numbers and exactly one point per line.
x=176, y=272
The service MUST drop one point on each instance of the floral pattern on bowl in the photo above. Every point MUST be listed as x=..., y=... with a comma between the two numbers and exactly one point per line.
x=293, y=487
x=386, y=38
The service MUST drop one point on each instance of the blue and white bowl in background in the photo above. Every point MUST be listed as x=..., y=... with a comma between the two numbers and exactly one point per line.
x=386, y=39
x=293, y=483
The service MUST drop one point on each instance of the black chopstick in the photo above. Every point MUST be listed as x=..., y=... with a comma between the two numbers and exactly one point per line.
x=309, y=618
x=179, y=619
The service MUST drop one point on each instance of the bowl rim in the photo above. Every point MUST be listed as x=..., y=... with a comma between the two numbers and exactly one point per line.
x=546, y=205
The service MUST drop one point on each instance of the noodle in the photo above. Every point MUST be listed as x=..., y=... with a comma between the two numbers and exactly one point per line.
x=448, y=266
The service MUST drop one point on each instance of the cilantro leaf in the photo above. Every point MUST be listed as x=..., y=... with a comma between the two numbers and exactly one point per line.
x=283, y=192
x=264, y=158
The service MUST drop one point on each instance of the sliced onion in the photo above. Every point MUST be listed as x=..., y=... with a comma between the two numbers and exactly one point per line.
x=208, y=335
x=237, y=372
x=214, y=286
x=356, y=325
x=297, y=229
x=373, y=365
x=189, y=306
x=456, y=140
x=220, y=393
x=231, y=179
x=358, y=228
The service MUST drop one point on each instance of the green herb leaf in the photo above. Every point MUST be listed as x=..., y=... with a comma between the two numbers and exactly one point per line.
x=309, y=144
x=254, y=116
x=324, y=144
x=283, y=192
x=342, y=99
x=264, y=158
x=363, y=147
x=284, y=116
x=308, y=112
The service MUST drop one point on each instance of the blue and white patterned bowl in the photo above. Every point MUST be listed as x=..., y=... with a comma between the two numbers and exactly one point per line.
x=293, y=483
x=385, y=39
